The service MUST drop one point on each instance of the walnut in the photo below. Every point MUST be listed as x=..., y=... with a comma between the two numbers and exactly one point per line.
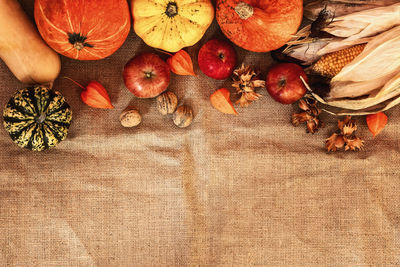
x=130, y=117
x=167, y=103
x=183, y=116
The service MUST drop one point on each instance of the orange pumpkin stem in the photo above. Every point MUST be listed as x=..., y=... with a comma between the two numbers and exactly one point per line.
x=244, y=10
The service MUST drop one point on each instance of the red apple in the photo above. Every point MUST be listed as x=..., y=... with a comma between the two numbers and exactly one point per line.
x=146, y=75
x=284, y=84
x=217, y=59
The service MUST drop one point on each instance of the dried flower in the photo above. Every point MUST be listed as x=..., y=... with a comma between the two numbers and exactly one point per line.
x=245, y=81
x=310, y=115
x=94, y=95
x=220, y=100
x=181, y=63
x=376, y=122
x=346, y=138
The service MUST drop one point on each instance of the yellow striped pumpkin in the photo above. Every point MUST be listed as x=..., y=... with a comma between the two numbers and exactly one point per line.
x=171, y=25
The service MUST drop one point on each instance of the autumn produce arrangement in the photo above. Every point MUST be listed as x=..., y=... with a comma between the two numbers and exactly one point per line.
x=344, y=60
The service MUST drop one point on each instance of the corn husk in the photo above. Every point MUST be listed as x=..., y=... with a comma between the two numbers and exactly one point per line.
x=346, y=31
x=380, y=57
x=372, y=69
x=371, y=82
x=356, y=107
x=365, y=23
x=342, y=7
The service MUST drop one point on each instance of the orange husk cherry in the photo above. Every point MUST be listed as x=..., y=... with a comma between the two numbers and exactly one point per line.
x=94, y=95
x=376, y=122
x=180, y=63
x=220, y=100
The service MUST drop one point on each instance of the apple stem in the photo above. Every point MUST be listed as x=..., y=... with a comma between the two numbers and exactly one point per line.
x=74, y=82
x=282, y=82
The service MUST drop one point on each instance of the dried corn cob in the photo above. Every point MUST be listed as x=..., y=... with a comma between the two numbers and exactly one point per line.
x=331, y=64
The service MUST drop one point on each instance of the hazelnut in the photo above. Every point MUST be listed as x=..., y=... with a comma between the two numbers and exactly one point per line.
x=130, y=117
x=166, y=103
x=183, y=116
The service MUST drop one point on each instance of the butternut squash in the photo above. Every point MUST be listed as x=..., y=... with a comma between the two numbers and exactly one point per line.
x=22, y=48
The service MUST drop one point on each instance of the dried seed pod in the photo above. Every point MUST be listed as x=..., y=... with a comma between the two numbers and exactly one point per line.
x=130, y=117
x=167, y=103
x=183, y=116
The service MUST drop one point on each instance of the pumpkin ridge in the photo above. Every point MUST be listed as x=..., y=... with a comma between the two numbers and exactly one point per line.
x=152, y=29
x=92, y=53
x=49, y=22
x=32, y=97
x=11, y=119
x=52, y=140
x=51, y=97
x=56, y=101
x=68, y=16
x=41, y=99
x=24, y=99
x=12, y=105
x=45, y=138
x=31, y=138
x=113, y=35
x=53, y=131
x=64, y=124
x=16, y=135
x=64, y=105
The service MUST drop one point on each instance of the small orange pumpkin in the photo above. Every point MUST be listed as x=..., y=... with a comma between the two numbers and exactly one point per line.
x=83, y=29
x=259, y=25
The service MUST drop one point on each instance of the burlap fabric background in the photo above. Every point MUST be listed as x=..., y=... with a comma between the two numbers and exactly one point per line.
x=250, y=190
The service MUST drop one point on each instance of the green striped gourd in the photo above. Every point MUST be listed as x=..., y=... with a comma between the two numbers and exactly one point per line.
x=37, y=118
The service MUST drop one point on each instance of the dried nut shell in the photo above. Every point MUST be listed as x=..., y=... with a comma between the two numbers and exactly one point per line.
x=130, y=117
x=167, y=103
x=183, y=116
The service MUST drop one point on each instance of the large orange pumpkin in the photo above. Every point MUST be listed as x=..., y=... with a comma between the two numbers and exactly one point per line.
x=259, y=25
x=83, y=29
